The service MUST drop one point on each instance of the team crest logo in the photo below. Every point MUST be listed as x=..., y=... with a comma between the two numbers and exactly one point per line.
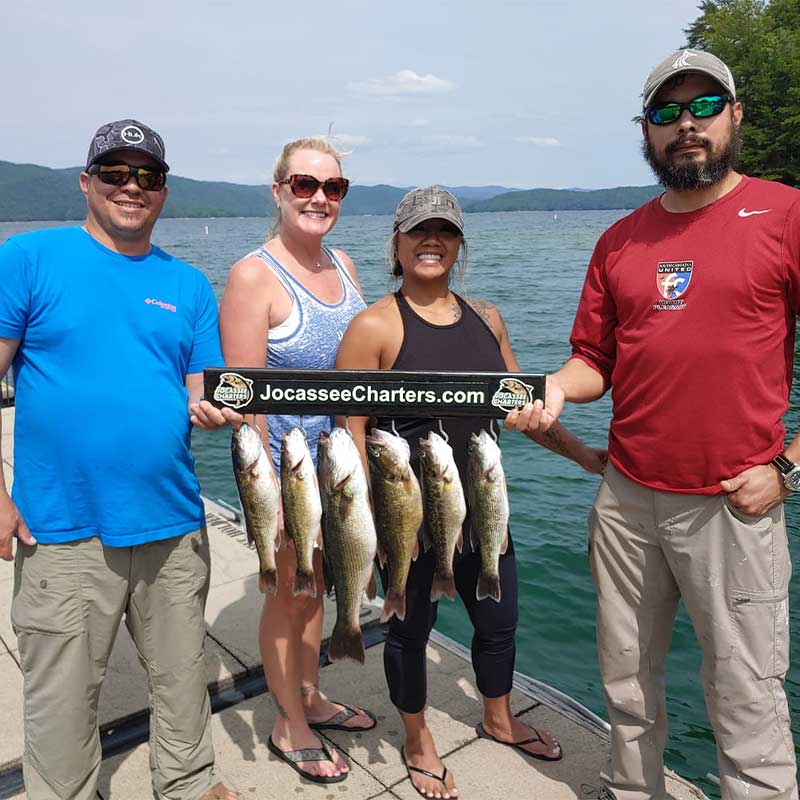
x=511, y=394
x=131, y=135
x=233, y=390
x=673, y=278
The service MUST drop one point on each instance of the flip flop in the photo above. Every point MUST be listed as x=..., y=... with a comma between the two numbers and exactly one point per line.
x=409, y=769
x=292, y=757
x=337, y=721
x=484, y=734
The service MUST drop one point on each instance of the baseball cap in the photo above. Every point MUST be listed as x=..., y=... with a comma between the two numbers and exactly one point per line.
x=427, y=202
x=126, y=134
x=688, y=61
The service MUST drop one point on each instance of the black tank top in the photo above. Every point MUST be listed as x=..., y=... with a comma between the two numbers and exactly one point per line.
x=468, y=345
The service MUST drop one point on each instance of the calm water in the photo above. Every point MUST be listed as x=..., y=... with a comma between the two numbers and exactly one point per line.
x=531, y=264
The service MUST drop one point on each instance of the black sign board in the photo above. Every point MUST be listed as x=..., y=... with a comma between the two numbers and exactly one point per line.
x=371, y=392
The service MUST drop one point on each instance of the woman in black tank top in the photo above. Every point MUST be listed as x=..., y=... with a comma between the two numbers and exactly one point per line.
x=426, y=326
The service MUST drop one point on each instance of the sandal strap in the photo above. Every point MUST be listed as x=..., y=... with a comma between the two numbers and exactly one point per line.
x=442, y=777
x=308, y=754
x=341, y=717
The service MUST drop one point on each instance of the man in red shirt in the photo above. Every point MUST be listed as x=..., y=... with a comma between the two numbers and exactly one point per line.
x=688, y=315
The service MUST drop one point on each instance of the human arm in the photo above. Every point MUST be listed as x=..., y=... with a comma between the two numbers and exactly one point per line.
x=11, y=521
x=202, y=413
x=555, y=437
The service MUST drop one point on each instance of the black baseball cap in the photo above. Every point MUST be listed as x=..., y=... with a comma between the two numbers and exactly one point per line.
x=126, y=134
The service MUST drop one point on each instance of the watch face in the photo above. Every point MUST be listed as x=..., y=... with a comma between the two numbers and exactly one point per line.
x=792, y=480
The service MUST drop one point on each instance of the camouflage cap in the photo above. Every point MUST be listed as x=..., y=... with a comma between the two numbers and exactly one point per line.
x=126, y=134
x=427, y=202
x=688, y=61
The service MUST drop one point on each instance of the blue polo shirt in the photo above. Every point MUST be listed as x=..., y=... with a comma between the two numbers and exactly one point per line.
x=101, y=442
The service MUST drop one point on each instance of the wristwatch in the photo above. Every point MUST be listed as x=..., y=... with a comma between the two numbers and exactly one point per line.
x=789, y=471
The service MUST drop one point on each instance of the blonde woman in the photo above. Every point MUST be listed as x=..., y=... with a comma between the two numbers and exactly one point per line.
x=287, y=305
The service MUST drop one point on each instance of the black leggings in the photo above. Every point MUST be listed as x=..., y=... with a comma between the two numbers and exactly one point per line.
x=494, y=624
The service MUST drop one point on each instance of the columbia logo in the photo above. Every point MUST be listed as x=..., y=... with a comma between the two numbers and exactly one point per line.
x=166, y=306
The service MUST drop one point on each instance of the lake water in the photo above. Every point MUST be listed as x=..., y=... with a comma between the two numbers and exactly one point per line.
x=531, y=264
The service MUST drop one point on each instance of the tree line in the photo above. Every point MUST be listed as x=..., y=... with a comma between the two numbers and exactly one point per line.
x=760, y=42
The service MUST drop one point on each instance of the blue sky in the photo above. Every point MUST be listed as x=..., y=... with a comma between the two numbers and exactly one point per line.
x=514, y=92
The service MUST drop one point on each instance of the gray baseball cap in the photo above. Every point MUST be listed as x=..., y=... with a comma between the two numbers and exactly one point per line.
x=427, y=202
x=126, y=134
x=688, y=61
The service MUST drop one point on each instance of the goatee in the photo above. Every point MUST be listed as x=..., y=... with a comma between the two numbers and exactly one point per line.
x=690, y=175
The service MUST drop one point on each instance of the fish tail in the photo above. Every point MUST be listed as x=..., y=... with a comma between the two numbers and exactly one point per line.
x=395, y=603
x=305, y=583
x=488, y=586
x=268, y=581
x=443, y=585
x=346, y=643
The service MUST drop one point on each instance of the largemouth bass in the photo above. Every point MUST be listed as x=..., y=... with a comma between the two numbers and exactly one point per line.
x=302, y=509
x=260, y=498
x=488, y=500
x=397, y=504
x=349, y=537
x=445, y=509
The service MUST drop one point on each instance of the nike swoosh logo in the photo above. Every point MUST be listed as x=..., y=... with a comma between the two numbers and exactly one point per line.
x=743, y=213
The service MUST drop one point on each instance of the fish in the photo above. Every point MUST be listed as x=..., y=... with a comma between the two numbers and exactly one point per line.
x=444, y=508
x=397, y=507
x=349, y=538
x=260, y=499
x=302, y=508
x=488, y=500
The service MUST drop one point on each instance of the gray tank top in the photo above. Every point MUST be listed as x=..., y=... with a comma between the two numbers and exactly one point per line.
x=310, y=343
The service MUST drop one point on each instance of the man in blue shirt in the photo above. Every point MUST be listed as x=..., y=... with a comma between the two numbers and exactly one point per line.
x=108, y=336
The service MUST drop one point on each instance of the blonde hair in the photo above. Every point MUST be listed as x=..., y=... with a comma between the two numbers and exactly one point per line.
x=322, y=144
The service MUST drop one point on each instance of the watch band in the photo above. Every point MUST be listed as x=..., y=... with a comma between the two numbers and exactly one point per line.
x=784, y=465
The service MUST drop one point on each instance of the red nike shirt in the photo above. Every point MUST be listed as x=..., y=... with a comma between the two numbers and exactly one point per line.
x=690, y=319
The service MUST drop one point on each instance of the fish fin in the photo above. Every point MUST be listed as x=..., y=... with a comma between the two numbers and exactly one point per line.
x=415, y=551
x=460, y=541
x=372, y=584
x=381, y=553
x=344, y=505
x=473, y=538
x=427, y=539
x=488, y=586
x=268, y=582
x=327, y=575
x=250, y=540
x=443, y=585
x=395, y=603
x=504, y=546
x=305, y=583
x=318, y=541
x=346, y=644
x=278, y=540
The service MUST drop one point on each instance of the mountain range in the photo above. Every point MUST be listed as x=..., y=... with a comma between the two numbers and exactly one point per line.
x=31, y=192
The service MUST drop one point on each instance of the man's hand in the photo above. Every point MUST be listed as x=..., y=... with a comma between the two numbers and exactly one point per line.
x=538, y=416
x=11, y=522
x=756, y=490
x=211, y=418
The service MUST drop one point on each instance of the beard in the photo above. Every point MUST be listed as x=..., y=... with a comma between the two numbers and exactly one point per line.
x=690, y=175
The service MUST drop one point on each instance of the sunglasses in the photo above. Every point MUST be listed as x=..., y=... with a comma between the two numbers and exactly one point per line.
x=151, y=180
x=700, y=107
x=305, y=186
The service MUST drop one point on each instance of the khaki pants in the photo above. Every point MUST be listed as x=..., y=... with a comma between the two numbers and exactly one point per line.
x=648, y=549
x=68, y=603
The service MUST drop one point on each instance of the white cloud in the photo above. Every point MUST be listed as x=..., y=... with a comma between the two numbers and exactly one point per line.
x=538, y=141
x=405, y=83
x=349, y=139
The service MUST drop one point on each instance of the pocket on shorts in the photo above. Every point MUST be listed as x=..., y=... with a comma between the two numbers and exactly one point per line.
x=761, y=522
x=47, y=590
x=761, y=629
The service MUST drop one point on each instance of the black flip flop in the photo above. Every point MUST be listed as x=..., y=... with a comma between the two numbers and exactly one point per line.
x=336, y=722
x=292, y=757
x=484, y=734
x=441, y=778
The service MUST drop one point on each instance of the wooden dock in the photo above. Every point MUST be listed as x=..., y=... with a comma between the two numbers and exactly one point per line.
x=244, y=715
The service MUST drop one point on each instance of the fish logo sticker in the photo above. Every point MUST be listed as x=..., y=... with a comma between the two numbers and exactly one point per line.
x=511, y=394
x=233, y=390
x=673, y=278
